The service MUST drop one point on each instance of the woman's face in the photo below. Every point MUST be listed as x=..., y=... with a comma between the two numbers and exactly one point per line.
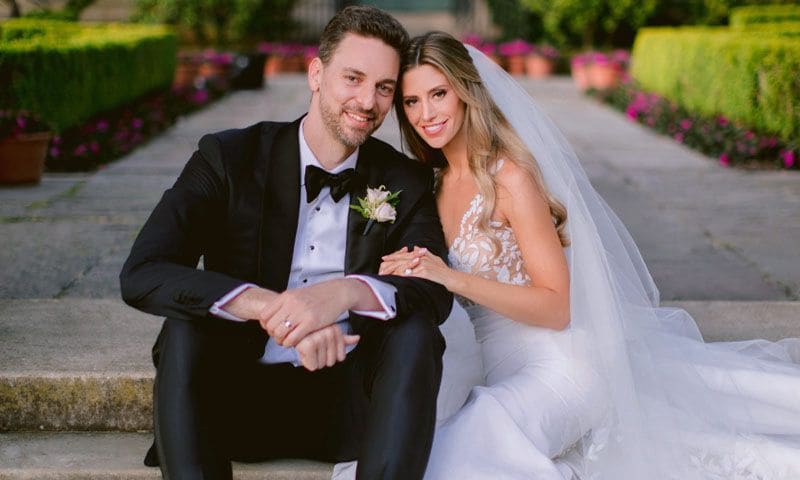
x=431, y=105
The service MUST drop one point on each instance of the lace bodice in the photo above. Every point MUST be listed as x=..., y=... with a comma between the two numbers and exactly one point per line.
x=472, y=250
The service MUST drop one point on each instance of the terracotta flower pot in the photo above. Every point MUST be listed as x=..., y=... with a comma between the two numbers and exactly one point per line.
x=185, y=74
x=273, y=65
x=515, y=64
x=537, y=66
x=580, y=75
x=603, y=77
x=22, y=157
x=214, y=70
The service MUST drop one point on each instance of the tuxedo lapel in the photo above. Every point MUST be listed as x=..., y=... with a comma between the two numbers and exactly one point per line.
x=281, y=206
x=364, y=251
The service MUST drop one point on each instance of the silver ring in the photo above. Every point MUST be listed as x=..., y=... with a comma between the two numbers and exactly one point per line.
x=408, y=271
x=287, y=324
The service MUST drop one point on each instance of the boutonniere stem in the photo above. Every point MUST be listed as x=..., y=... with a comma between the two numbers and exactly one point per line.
x=378, y=206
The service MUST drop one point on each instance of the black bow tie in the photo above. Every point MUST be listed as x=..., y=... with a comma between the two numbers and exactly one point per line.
x=342, y=183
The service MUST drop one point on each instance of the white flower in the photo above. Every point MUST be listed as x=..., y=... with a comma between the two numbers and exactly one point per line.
x=385, y=213
x=376, y=196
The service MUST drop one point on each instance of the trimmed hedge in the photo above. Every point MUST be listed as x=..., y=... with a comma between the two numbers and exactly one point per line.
x=747, y=77
x=759, y=14
x=66, y=72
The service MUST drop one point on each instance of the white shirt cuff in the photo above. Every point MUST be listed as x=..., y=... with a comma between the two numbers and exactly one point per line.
x=384, y=292
x=217, y=310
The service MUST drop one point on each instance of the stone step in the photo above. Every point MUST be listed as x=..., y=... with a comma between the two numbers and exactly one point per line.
x=84, y=365
x=117, y=456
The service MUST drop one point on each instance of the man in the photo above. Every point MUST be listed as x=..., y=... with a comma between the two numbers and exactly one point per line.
x=267, y=209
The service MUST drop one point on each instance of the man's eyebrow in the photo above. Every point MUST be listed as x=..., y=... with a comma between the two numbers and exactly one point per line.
x=355, y=71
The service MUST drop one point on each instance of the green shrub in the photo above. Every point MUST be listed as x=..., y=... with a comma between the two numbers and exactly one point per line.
x=66, y=72
x=748, y=77
x=757, y=14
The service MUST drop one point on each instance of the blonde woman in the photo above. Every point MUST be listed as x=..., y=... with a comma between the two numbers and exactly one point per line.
x=585, y=376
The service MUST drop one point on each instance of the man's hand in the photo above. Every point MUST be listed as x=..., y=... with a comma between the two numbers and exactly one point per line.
x=296, y=313
x=324, y=348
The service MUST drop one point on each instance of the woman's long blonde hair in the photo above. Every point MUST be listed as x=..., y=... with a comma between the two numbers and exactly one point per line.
x=488, y=133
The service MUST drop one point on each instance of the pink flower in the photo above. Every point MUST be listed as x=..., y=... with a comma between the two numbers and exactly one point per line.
x=789, y=158
x=724, y=160
x=94, y=147
x=80, y=150
x=102, y=126
x=137, y=123
x=632, y=112
x=54, y=152
x=678, y=137
x=723, y=122
x=749, y=135
x=686, y=124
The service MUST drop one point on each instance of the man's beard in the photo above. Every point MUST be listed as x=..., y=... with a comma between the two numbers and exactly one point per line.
x=349, y=137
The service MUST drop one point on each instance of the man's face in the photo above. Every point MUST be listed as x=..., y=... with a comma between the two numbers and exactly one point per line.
x=355, y=90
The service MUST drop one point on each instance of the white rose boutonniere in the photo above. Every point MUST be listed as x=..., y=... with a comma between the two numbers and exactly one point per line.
x=378, y=206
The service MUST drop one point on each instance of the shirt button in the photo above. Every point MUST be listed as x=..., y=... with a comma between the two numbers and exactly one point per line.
x=311, y=247
x=305, y=280
x=317, y=209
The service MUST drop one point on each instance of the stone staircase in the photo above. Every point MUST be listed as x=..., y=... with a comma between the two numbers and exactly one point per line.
x=76, y=382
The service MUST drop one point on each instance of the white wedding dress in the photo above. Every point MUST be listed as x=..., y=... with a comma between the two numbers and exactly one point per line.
x=536, y=398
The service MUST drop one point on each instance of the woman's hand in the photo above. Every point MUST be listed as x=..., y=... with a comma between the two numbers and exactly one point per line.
x=396, y=263
x=418, y=263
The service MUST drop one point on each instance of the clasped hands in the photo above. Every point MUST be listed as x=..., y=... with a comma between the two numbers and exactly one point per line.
x=303, y=318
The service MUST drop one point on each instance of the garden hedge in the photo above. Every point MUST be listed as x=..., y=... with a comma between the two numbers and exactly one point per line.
x=750, y=77
x=759, y=14
x=66, y=72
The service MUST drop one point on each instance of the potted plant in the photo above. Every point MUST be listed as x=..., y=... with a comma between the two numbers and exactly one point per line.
x=540, y=62
x=216, y=64
x=606, y=69
x=23, y=147
x=580, y=70
x=187, y=69
x=515, y=53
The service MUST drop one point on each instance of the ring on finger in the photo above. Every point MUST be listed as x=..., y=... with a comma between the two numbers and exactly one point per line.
x=287, y=324
x=408, y=271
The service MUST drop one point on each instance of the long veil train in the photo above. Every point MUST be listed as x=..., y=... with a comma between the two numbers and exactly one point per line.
x=679, y=408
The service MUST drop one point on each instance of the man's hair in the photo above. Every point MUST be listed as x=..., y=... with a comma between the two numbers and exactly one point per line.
x=363, y=20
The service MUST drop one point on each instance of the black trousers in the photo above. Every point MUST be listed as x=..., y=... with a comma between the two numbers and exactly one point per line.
x=213, y=401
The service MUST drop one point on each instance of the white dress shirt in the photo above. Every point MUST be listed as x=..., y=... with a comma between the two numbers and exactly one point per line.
x=319, y=249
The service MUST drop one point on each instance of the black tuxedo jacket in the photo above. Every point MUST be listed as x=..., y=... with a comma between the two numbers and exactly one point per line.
x=236, y=204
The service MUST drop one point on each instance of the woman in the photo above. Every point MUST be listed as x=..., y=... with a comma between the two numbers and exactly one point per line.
x=584, y=375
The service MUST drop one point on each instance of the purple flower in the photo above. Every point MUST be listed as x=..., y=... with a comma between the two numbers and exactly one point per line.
x=488, y=49
x=515, y=47
x=137, y=123
x=21, y=122
x=473, y=39
x=686, y=124
x=80, y=150
x=54, y=152
x=788, y=158
x=724, y=160
x=199, y=97
x=102, y=125
x=94, y=147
